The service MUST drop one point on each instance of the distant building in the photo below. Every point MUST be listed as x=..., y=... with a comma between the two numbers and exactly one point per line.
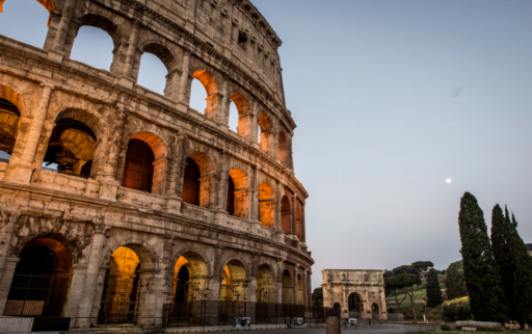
x=357, y=293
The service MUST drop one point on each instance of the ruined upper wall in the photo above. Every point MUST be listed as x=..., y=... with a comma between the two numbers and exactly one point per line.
x=234, y=28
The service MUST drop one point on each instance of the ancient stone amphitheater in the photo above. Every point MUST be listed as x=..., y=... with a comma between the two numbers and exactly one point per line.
x=119, y=205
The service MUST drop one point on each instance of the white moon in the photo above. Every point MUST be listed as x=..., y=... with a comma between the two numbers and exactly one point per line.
x=448, y=180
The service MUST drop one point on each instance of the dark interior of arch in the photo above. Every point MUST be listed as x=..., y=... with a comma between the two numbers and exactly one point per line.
x=71, y=148
x=41, y=279
x=9, y=115
x=191, y=182
x=138, y=170
x=230, y=196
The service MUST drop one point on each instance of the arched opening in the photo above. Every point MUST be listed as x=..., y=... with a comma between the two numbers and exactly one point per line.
x=203, y=93
x=265, y=132
x=145, y=163
x=336, y=310
x=299, y=221
x=72, y=144
x=121, y=288
x=237, y=193
x=233, y=291
x=284, y=149
x=198, y=96
x=266, y=205
x=265, y=287
x=288, y=288
x=234, y=282
x=191, y=183
x=233, y=117
x=189, y=284
x=265, y=294
x=26, y=20
x=354, y=303
x=286, y=215
x=138, y=171
x=9, y=117
x=374, y=311
x=155, y=65
x=152, y=73
x=196, y=180
x=300, y=290
x=239, y=115
x=93, y=44
x=41, y=280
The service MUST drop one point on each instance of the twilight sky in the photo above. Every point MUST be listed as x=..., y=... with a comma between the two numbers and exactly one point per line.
x=391, y=98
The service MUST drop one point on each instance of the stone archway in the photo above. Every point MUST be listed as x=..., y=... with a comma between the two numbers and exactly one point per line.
x=41, y=280
x=355, y=305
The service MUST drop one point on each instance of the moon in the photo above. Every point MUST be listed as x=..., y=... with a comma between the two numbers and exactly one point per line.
x=448, y=180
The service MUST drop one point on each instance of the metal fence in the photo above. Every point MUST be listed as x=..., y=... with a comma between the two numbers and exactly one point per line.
x=215, y=313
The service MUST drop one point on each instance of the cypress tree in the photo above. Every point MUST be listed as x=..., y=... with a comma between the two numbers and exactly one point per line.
x=501, y=239
x=434, y=297
x=480, y=269
x=522, y=280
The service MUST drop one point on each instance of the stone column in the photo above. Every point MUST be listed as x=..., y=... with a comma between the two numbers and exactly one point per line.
x=222, y=109
x=293, y=214
x=20, y=168
x=221, y=176
x=185, y=82
x=303, y=222
x=56, y=38
x=127, y=71
x=86, y=303
x=277, y=201
x=253, y=195
x=171, y=90
x=254, y=125
x=5, y=280
x=8, y=225
x=79, y=271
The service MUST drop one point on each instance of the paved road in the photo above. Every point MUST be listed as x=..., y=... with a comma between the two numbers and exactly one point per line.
x=375, y=329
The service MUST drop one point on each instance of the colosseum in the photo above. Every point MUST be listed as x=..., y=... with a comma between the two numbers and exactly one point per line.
x=120, y=205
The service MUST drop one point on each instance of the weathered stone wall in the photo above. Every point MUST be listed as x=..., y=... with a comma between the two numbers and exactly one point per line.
x=227, y=45
x=339, y=284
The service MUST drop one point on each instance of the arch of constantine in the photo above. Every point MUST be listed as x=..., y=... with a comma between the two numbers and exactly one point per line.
x=355, y=293
x=120, y=205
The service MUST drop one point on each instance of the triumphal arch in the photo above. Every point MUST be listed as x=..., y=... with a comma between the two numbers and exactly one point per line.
x=355, y=293
x=121, y=205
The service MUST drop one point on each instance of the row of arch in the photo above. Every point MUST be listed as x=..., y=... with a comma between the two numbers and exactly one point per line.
x=356, y=309
x=74, y=148
x=196, y=86
x=42, y=278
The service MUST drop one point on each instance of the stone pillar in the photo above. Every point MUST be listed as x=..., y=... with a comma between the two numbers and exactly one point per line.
x=303, y=222
x=79, y=271
x=277, y=201
x=274, y=150
x=7, y=224
x=127, y=71
x=254, y=125
x=293, y=214
x=171, y=90
x=5, y=280
x=222, y=109
x=152, y=297
x=221, y=176
x=88, y=298
x=56, y=38
x=185, y=82
x=254, y=195
x=20, y=168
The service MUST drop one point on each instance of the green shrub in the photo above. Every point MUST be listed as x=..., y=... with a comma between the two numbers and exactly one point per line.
x=456, y=311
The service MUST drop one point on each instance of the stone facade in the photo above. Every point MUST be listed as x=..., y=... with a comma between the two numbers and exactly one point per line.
x=356, y=293
x=119, y=186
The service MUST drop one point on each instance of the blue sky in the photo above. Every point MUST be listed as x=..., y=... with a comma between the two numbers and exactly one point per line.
x=391, y=98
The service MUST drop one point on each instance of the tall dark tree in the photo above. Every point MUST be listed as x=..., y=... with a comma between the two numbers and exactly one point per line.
x=434, y=297
x=501, y=241
x=454, y=280
x=522, y=283
x=480, y=269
